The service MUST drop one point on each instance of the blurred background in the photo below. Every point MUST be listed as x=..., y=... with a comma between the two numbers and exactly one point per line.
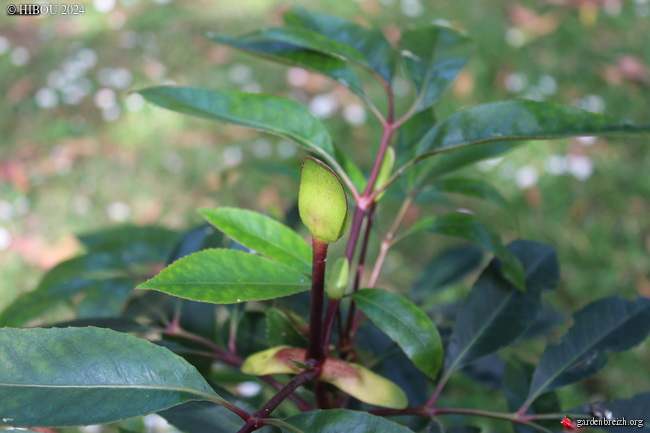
x=79, y=152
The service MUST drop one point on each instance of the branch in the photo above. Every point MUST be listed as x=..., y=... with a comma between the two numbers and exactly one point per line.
x=256, y=420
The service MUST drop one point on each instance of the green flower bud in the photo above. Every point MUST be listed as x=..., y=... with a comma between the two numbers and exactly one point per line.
x=384, y=171
x=337, y=278
x=322, y=202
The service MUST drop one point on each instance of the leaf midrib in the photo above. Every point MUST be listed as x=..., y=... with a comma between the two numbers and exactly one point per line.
x=482, y=330
x=254, y=125
x=565, y=366
x=223, y=283
x=265, y=241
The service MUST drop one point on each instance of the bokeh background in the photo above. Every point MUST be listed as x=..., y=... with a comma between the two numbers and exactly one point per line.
x=79, y=152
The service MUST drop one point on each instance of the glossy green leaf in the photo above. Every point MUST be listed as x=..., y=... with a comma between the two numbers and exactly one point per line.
x=609, y=324
x=495, y=313
x=262, y=234
x=467, y=227
x=342, y=420
x=226, y=277
x=278, y=116
x=635, y=408
x=63, y=282
x=80, y=376
x=433, y=56
x=469, y=187
x=406, y=325
x=370, y=43
x=518, y=120
x=296, y=51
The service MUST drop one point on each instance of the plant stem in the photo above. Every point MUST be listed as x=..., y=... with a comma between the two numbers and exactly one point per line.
x=330, y=318
x=315, y=347
x=255, y=421
x=387, y=242
x=235, y=361
x=350, y=328
x=429, y=412
x=355, y=230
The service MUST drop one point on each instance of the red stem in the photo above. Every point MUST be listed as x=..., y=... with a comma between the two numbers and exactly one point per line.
x=256, y=420
x=315, y=347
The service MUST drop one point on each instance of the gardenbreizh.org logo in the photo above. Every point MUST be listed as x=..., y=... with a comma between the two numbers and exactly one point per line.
x=580, y=423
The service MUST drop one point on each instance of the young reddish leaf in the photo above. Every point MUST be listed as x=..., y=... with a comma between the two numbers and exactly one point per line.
x=354, y=379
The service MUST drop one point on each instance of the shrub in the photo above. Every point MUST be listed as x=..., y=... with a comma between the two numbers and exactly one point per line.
x=351, y=354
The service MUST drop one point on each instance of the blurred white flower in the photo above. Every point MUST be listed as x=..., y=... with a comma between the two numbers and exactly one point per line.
x=354, y=114
x=249, y=389
x=19, y=56
x=323, y=106
x=46, y=97
x=526, y=176
x=580, y=166
x=118, y=211
x=555, y=164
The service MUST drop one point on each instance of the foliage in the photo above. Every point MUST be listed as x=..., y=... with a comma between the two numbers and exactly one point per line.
x=205, y=304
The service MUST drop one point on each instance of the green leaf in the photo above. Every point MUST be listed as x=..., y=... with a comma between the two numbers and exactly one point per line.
x=251, y=335
x=609, y=324
x=377, y=53
x=411, y=132
x=227, y=276
x=281, y=331
x=635, y=408
x=279, y=116
x=202, y=417
x=118, y=324
x=135, y=244
x=516, y=379
x=433, y=56
x=445, y=163
x=299, y=52
x=105, y=298
x=80, y=376
x=518, y=120
x=469, y=187
x=62, y=283
x=406, y=325
x=469, y=228
x=262, y=234
x=342, y=420
x=448, y=267
x=495, y=313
